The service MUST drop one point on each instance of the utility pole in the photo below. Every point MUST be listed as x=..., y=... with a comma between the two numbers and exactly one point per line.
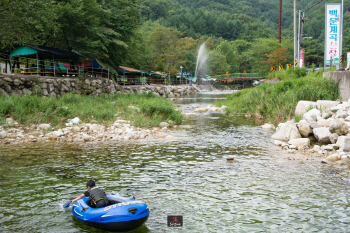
x=280, y=23
x=295, y=32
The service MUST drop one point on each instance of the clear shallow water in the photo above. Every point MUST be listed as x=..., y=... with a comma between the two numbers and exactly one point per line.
x=188, y=176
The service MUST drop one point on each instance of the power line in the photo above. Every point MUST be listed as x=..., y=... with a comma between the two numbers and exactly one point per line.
x=317, y=4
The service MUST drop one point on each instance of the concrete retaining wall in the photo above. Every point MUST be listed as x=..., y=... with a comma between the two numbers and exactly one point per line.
x=55, y=87
x=343, y=77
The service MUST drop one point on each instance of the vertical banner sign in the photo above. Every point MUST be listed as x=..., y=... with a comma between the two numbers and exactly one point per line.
x=333, y=33
x=302, y=58
x=348, y=60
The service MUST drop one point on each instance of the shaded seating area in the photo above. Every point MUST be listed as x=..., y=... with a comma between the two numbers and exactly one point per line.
x=41, y=60
x=49, y=61
x=131, y=76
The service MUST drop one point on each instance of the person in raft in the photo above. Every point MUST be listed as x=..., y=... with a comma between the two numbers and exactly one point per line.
x=97, y=195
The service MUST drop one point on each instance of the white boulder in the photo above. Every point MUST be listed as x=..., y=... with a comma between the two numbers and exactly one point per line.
x=325, y=105
x=334, y=138
x=344, y=143
x=286, y=131
x=312, y=115
x=339, y=126
x=325, y=123
x=303, y=106
x=300, y=142
x=322, y=135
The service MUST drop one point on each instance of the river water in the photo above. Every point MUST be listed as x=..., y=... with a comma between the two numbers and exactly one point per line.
x=188, y=176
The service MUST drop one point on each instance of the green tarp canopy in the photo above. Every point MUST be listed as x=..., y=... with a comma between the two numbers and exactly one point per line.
x=30, y=51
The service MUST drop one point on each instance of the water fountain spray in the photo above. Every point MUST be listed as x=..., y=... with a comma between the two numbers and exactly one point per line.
x=202, y=59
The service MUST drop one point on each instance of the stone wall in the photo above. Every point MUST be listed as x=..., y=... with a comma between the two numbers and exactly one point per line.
x=57, y=86
x=343, y=77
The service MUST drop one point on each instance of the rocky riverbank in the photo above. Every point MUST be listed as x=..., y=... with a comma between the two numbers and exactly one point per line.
x=323, y=130
x=78, y=132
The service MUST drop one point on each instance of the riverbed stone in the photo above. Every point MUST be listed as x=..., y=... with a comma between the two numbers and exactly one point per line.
x=344, y=143
x=44, y=126
x=201, y=110
x=286, y=131
x=333, y=157
x=278, y=143
x=268, y=126
x=300, y=142
x=3, y=134
x=322, y=135
x=303, y=106
x=339, y=126
x=163, y=124
x=96, y=128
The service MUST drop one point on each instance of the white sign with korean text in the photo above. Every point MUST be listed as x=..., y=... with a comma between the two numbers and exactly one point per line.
x=333, y=33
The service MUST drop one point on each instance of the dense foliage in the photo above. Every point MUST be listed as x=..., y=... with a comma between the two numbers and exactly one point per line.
x=276, y=103
x=164, y=34
x=32, y=109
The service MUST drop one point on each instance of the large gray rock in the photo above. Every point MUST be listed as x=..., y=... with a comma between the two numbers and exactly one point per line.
x=344, y=143
x=303, y=106
x=339, y=126
x=300, y=142
x=322, y=135
x=326, y=105
x=286, y=131
x=312, y=115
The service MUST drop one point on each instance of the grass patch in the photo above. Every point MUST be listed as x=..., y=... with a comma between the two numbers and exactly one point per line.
x=148, y=109
x=276, y=102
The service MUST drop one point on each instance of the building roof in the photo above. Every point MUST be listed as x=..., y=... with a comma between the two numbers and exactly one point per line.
x=31, y=51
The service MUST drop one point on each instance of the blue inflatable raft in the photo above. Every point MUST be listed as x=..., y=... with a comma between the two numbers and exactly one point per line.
x=122, y=214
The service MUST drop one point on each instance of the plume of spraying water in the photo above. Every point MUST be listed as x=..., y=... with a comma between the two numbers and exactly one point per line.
x=202, y=59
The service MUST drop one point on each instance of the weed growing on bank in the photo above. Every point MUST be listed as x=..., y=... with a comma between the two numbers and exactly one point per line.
x=276, y=103
x=143, y=110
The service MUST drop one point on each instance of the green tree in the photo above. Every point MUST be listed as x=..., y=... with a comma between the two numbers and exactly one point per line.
x=30, y=21
x=231, y=58
x=217, y=63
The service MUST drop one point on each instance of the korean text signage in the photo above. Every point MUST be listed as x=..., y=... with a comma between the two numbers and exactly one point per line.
x=333, y=33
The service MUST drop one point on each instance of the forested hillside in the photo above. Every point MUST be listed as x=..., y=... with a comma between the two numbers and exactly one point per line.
x=165, y=34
